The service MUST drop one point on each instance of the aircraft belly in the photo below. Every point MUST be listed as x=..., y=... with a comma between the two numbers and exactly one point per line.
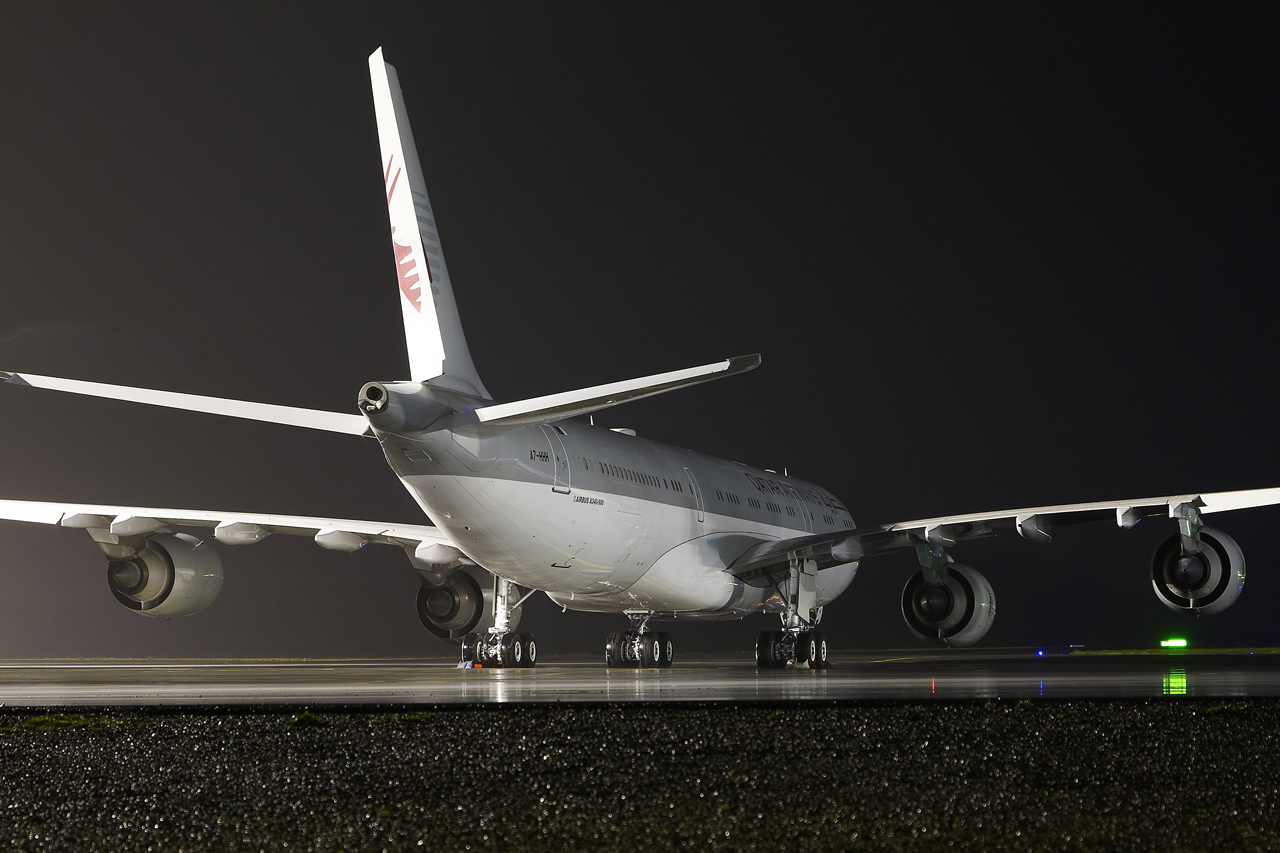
x=578, y=543
x=594, y=550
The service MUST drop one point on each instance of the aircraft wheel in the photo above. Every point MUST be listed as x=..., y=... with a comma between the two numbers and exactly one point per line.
x=613, y=650
x=804, y=646
x=510, y=651
x=650, y=651
x=768, y=653
x=470, y=644
x=668, y=650
x=530, y=649
x=817, y=651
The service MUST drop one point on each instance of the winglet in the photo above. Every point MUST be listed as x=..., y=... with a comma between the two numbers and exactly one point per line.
x=13, y=378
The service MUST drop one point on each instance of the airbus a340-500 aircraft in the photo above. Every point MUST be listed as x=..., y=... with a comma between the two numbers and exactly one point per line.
x=522, y=498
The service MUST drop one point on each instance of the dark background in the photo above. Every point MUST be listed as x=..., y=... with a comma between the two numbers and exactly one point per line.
x=993, y=257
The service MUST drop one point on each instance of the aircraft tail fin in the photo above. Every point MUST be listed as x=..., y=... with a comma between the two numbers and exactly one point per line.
x=432, y=328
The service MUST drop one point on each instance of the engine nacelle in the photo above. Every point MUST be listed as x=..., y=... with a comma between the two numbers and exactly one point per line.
x=1207, y=582
x=956, y=613
x=462, y=605
x=170, y=575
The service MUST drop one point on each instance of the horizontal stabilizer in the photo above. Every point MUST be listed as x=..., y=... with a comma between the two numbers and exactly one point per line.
x=288, y=415
x=556, y=407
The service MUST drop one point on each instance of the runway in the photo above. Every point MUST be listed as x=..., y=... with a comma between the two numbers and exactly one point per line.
x=855, y=676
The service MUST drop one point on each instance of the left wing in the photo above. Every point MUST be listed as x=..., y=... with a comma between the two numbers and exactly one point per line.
x=1034, y=523
x=231, y=528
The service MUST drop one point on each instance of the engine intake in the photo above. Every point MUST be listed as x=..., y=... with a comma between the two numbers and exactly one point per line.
x=460, y=606
x=1207, y=582
x=171, y=575
x=956, y=613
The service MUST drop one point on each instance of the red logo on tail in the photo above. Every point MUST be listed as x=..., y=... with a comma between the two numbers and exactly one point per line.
x=408, y=278
x=405, y=265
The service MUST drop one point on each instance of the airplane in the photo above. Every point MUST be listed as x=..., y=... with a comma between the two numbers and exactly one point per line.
x=524, y=497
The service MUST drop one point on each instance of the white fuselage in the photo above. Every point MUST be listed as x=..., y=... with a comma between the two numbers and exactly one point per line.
x=603, y=520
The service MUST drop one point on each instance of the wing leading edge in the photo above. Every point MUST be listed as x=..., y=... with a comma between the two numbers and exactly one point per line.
x=231, y=528
x=1034, y=523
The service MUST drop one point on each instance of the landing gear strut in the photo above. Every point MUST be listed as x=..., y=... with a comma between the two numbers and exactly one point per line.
x=501, y=646
x=797, y=642
x=639, y=647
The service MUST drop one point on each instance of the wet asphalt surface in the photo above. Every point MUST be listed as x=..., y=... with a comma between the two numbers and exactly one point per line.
x=1164, y=774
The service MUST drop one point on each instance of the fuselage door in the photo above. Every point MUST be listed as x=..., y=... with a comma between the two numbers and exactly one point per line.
x=559, y=459
x=802, y=508
x=697, y=495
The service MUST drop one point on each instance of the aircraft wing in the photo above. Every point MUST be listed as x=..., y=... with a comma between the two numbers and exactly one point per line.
x=231, y=528
x=1034, y=523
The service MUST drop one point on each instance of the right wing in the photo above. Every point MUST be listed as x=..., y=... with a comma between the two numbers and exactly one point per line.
x=1034, y=523
x=288, y=415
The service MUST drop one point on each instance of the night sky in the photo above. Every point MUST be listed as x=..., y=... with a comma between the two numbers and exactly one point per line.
x=991, y=258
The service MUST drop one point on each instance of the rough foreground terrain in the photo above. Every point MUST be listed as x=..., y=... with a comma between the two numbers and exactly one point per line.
x=1174, y=774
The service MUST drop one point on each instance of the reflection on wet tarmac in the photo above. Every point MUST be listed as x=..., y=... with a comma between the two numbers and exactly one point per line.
x=876, y=676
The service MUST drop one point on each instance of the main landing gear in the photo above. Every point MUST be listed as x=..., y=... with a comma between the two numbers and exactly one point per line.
x=639, y=647
x=500, y=645
x=776, y=649
x=797, y=642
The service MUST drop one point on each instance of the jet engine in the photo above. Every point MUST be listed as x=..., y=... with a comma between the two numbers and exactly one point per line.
x=957, y=612
x=460, y=606
x=170, y=575
x=1207, y=582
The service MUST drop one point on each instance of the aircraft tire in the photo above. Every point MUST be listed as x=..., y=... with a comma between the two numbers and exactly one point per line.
x=767, y=650
x=817, y=650
x=803, y=646
x=510, y=652
x=650, y=651
x=530, y=649
x=613, y=650
x=668, y=650
x=469, y=646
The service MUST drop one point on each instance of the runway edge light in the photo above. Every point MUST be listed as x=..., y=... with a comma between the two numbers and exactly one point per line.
x=1175, y=643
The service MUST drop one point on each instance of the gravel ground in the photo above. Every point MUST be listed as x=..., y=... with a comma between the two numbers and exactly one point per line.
x=1177, y=774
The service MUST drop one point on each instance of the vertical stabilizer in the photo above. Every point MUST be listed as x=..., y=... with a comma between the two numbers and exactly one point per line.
x=432, y=329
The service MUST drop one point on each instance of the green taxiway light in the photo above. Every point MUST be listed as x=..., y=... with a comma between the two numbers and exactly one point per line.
x=1173, y=644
